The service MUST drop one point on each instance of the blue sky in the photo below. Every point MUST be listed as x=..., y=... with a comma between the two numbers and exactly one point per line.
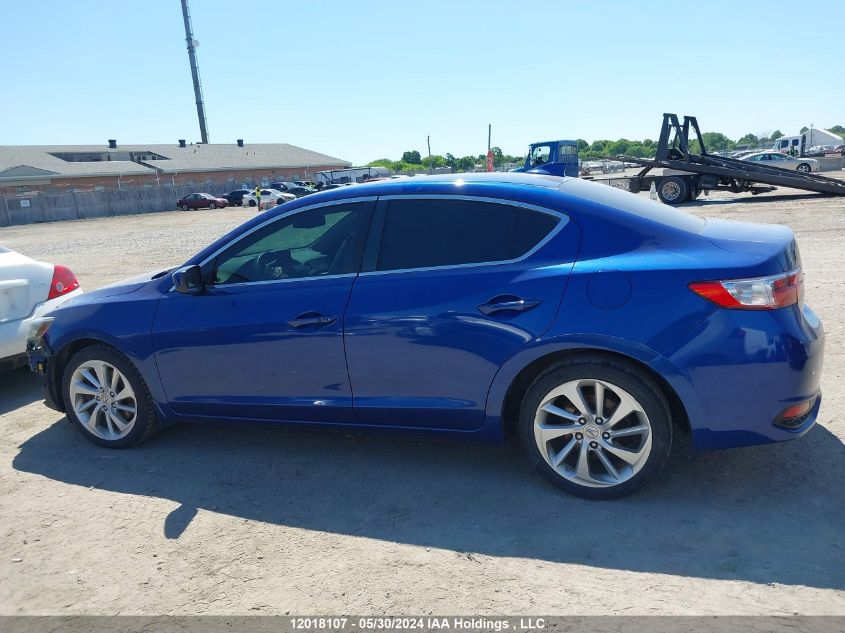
x=368, y=79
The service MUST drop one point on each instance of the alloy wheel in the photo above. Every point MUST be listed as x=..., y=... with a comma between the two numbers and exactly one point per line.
x=103, y=400
x=592, y=433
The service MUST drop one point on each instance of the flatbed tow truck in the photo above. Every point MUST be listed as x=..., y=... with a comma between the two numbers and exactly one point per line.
x=686, y=175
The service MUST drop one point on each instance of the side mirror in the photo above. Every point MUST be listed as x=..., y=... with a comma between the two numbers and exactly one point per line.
x=187, y=280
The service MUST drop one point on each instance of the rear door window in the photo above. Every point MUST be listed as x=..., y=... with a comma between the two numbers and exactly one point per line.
x=426, y=233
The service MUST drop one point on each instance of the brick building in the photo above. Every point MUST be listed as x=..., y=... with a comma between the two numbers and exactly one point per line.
x=27, y=169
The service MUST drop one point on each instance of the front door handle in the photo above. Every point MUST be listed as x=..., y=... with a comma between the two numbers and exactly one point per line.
x=507, y=303
x=311, y=319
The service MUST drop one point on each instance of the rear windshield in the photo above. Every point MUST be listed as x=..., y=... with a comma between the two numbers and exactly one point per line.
x=634, y=204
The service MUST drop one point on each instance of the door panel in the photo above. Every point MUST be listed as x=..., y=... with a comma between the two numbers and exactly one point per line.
x=424, y=345
x=233, y=351
x=264, y=340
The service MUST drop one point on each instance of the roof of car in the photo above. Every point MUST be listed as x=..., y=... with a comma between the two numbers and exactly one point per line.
x=496, y=177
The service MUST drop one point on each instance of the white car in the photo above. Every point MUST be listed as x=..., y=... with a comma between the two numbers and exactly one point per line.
x=784, y=161
x=28, y=290
x=269, y=198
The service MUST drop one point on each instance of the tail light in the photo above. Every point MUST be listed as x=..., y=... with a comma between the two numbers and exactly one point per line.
x=759, y=293
x=64, y=281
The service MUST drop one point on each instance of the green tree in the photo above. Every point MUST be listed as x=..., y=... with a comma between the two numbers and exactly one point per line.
x=582, y=145
x=451, y=161
x=466, y=163
x=838, y=129
x=748, y=139
x=436, y=159
x=776, y=135
x=412, y=157
x=381, y=162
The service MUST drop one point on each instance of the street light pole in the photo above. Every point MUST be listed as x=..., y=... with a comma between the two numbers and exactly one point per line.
x=195, y=71
x=430, y=165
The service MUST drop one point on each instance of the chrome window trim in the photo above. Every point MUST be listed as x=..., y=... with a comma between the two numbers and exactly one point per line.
x=264, y=282
x=499, y=262
x=411, y=196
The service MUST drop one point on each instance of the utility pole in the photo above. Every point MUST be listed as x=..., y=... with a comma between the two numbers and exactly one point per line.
x=430, y=165
x=489, y=135
x=195, y=71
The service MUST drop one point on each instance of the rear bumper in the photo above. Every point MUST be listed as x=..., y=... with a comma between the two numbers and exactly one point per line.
x=746, y=368
x=13, y=333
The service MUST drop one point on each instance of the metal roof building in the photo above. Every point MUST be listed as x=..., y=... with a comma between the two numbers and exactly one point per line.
x=31, y=166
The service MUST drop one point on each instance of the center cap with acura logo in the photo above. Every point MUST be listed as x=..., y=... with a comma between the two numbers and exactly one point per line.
x=592, y=432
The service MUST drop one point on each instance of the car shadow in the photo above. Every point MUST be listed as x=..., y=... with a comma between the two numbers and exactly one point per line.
x=19, y=388
x=769, y=514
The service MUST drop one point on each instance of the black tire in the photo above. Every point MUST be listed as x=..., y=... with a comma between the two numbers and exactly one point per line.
x=804, y=168
x=146, y=423
x=626, y=376
x=184, y=207
x=673, y=190
x=213, y=205
x=252, y=203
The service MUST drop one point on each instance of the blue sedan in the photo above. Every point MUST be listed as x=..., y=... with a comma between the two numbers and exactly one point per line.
x=588, y=323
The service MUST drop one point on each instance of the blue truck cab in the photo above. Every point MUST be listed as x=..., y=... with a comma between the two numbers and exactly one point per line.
x=556, y=158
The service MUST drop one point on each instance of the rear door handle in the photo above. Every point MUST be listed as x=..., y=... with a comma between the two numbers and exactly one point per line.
x=507, y=303
x=311, y=319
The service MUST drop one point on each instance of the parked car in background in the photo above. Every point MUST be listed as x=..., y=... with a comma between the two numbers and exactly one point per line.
x=201, y=201
x=269, y=197
x=29, y=289
x=336, y=185
x=743, y=153
x=291, y=187
x=306, y=183
x=235, y=198
x=784, y=161
x=439, y=302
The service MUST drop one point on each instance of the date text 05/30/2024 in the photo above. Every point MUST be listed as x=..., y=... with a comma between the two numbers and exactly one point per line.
x=386, y=623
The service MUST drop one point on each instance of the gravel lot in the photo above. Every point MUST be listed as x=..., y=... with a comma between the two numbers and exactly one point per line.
x=206, y=519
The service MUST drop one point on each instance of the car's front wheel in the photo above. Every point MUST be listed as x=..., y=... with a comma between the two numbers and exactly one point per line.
x=213, y=205
x=107, y=398
x=596, y=427
x=804, y=167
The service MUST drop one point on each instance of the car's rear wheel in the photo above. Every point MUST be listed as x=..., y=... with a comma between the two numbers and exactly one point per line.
x=804, y=167
x=184, y=207
x=252, y=203
x=595, y=427
x=107, y=399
